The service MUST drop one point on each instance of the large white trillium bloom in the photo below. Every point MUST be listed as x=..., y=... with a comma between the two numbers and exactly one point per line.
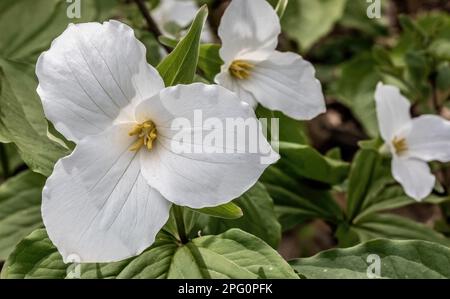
x=258, y=73
x=412, y=141
x=109, y=198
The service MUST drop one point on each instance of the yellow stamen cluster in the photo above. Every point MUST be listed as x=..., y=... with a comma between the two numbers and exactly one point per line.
x=400, y=145
x=240, y=69
x=146, y=134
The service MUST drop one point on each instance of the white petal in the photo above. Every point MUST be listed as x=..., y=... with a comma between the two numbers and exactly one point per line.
x=287, y=83
x=248, y=26
x=181, y=12
x=97, y=206
x=200, y=177
x=429, y=138
x=91, y=72
x=414, y=175
x=224, y=79
x=392, y=111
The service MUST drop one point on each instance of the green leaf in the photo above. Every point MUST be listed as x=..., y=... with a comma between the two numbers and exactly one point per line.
x=297, y=201
x=227, y=211
x=22, y=118
x=395, y=227
x=392, y=197
x=10, y=159
x=281, y=8
x=20, y=209
x=180, y=65
x=356, y=89
x=289, y=130
x=305, y=161
x=440, y=48
x=258, y=218
x=399, y=259
x=28, y=27
x=233, y=254
x=307, y=21
x=293, y=209
x=361, y=176
x=209, y=61
x=372, y=189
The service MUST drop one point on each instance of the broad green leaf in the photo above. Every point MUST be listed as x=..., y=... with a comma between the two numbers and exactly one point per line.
x=20, y=209
x=304, y=161
x=307, y=21
x=362, y=174
x=10, y=159
x=389, y=226
x=398, y=259
x=289, y=130
x=392, y=197
x=372, y=189
x=356, y=89
x=209, y=61
x=293, y=209
x=180, y=65
x=233, y=254
x=227, y=211
x=299, y=200
x=28, y=27
x=22, y=117
x=258, y=218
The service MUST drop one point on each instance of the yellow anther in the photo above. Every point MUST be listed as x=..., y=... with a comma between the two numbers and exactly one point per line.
x=146, y=133
x=400, y=145
x=240, y=69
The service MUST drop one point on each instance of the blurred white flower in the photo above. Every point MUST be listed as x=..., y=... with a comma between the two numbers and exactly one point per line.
x=181, y=13
x=109, y=198
x=412, y=141
x=258, y=73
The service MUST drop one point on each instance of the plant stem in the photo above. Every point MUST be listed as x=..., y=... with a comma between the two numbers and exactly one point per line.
x=179, y=220
x=4, y=161
x=151, y=24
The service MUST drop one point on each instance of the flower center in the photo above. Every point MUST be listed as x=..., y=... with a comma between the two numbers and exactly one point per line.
x=400, y=145
x=240, y=69
x=146, y=133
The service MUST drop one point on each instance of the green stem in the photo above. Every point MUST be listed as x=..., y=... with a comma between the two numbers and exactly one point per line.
x=4, y=161
x=179, y=220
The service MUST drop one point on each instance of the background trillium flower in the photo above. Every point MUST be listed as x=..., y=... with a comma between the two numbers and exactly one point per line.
x=181, y=13
x=258, y=73
x=412, y=142
x=109, y=198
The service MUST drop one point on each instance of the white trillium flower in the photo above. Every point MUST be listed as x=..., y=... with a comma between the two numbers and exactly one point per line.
x=258, y=73
x=180, y=12
x=109, y=198
x=412, y=141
